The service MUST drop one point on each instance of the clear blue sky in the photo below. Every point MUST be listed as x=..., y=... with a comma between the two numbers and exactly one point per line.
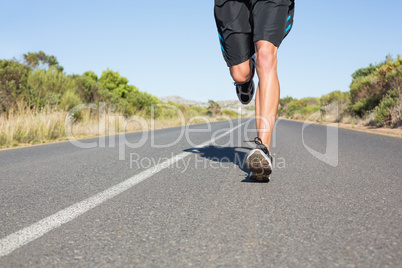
x=171, y=47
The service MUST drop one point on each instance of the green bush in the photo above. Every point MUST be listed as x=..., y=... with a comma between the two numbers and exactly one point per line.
x=370, y=85
x=13, y=84
x=383, y=110
x=214, y=108
x=169, y=110
x=362, y=87
x=116, y=84
x=47, y=86
x=127, y=98
x=91, y=75
x=196, y=111
x=284, y=101
x=293, y=107
x=40, y=59
x=363, y=72
x=310, y=109
x=142, y=101
x=230, y=113
x=303, y=107
x=69, y=99
x=335, y=96
x=365, y=105
x=89, y=90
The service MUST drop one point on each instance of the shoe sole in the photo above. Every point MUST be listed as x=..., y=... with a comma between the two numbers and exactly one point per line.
x=262, y=178
x=258, y=163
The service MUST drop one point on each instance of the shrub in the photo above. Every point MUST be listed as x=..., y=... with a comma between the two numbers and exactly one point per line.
x=197, y=111
x=383, y=110
x=40, y=59
x=284, y=101
x=230, y=113
x=166, y=113
x=116, y=84
x=127, y=98
x=335, y=96
x=365, y=105
x=141, y=101
x=47, y=86
x=293, y=107
x=300, y=108
x=91, y=75
x=363, y=72
x=69, y=99
x=89, y=90
x=214, y=109
x=13, y=84
x=370, y=85
x=310, y=109
x=362, y=87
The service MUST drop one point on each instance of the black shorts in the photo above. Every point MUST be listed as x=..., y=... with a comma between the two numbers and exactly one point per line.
x=241, y=23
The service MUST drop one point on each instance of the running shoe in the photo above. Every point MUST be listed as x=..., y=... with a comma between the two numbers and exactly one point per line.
x=259, y=161
x=245, y=92
x=259, y=177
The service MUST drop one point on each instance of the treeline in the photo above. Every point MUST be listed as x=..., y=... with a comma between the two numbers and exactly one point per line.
x=36, y=97
x=39, y=81
x=374, y=98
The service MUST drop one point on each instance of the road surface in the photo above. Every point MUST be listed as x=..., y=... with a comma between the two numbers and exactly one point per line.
x=331, y=202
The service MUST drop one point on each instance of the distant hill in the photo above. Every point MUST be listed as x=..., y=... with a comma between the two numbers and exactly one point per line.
x=180, y=100
x=232, y=105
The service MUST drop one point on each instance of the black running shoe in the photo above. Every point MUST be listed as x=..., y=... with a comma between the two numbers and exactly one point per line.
x=245, y=92
x=259, y=162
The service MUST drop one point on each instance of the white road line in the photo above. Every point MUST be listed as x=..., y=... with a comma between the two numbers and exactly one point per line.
x=20, y=238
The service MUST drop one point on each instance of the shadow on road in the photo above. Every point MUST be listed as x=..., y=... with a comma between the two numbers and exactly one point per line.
x=235, y=155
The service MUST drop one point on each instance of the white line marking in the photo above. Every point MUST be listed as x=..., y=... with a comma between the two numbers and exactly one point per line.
x=20, y=238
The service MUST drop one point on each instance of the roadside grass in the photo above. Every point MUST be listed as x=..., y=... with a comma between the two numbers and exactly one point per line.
x=23, y=126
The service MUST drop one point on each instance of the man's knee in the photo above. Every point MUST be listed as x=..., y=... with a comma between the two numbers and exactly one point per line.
x=241, y=73
x=266, y=55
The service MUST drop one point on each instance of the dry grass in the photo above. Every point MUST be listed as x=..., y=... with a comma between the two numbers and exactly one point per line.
x=26, y=127
x=30, y=126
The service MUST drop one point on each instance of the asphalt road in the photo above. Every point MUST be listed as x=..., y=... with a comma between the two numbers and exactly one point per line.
x=187, y=205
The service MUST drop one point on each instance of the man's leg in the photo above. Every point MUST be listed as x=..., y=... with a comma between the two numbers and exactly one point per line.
x=272, y=22
x=241, y=72
x=259, y=160
x=268, y=91
x=235, y=36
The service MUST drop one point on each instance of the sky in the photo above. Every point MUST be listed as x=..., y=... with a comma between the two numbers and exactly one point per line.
x=171, y=48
